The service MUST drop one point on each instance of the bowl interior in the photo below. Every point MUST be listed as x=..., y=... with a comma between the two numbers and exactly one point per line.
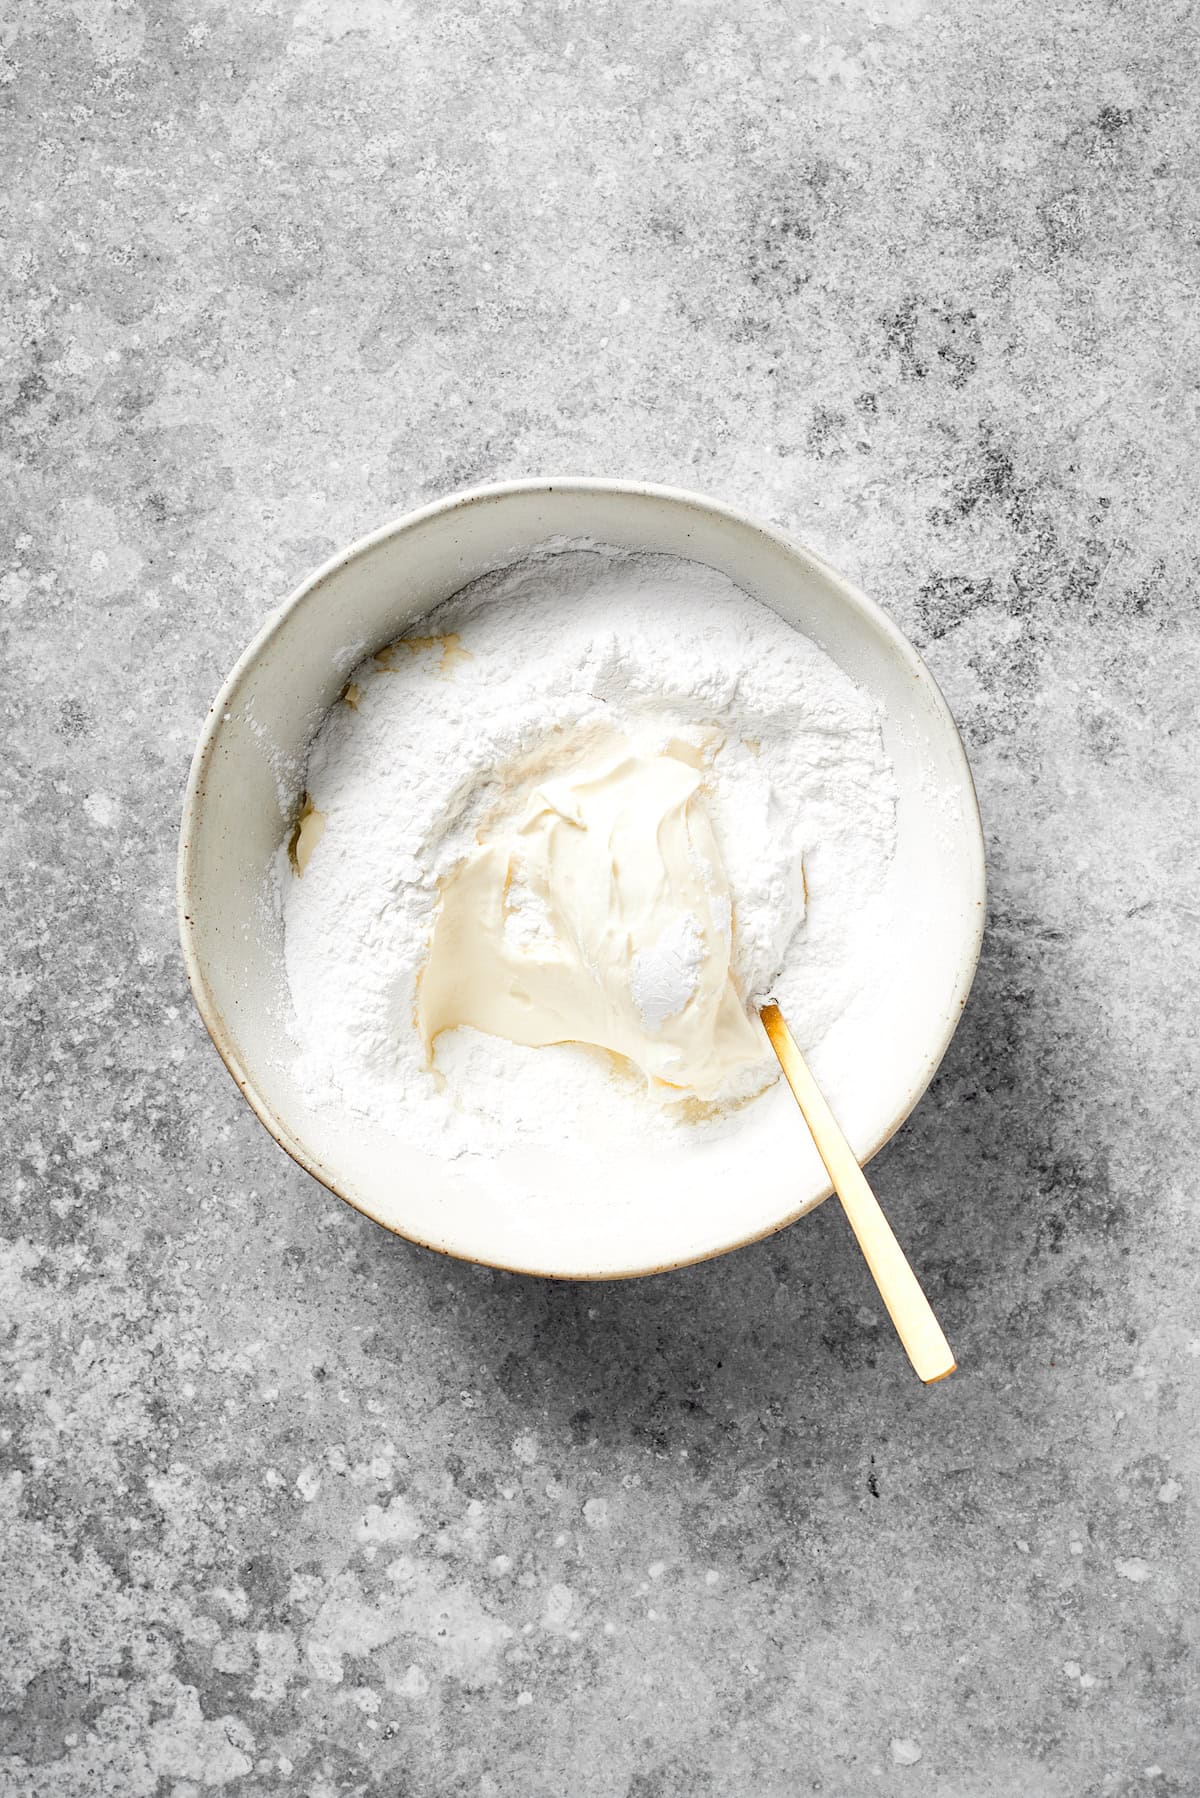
x=532, y=1208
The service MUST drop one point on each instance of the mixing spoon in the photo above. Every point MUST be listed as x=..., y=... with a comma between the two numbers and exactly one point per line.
x=908, y=1308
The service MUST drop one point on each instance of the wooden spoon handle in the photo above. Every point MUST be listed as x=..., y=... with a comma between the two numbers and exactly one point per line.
x=908, y=1308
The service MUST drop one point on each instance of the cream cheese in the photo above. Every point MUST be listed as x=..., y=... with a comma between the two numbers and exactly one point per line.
x=599, y=914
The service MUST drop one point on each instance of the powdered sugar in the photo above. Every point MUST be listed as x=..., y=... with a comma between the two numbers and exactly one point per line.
x=667, y=974
x=503, y=682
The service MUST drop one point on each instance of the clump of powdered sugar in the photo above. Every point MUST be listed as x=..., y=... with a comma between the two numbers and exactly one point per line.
x=665, y=975
x=504, y=681
x=527, y=920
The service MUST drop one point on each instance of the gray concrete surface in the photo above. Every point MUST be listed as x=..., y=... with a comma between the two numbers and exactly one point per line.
x=289, y=1506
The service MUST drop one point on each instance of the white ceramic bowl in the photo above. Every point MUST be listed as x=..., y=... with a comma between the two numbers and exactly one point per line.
x=534, y=1209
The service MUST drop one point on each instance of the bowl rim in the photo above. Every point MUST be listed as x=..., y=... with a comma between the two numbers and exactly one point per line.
x=872, y=613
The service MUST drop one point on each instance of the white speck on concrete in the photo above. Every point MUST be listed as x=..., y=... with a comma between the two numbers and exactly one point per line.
x=905, y=1752
x=102, y=809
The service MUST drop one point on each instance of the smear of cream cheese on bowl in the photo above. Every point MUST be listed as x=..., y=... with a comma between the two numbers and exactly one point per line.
x=600, y=914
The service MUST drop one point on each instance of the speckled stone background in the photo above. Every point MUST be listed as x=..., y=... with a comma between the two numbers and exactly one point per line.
x=291, y=1507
